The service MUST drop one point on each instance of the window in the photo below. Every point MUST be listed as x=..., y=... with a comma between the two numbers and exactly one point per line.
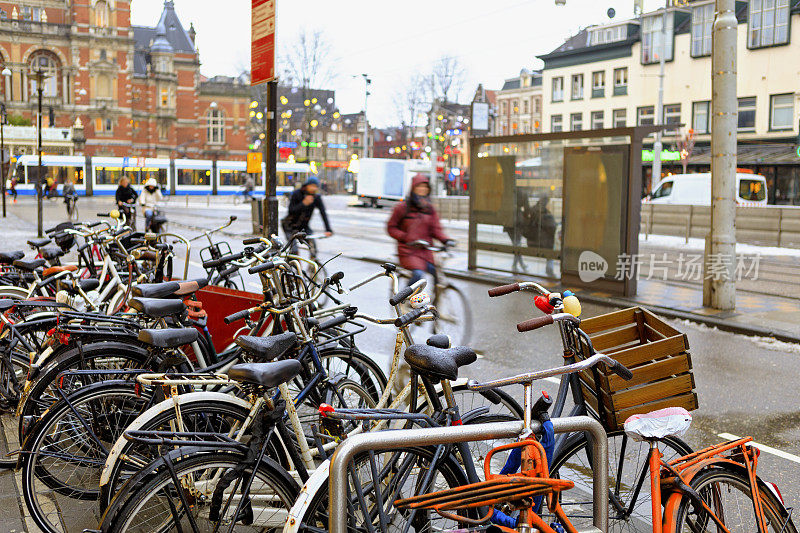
x=752, y=190
x=103, y=54
x=644, y=116
x=605, y=35
x=597, y=120
x=577, y=86
x=49, y=65
x=537, y=105
x=525, y=107
x=503, y=108
x=620, y=81
x=665, y=189
x=103, y=88
x=163, y=130
x=3, y=14
x=598, y=84
x=672, y=114
x=576, y=121
x=769, y=23
x=781, y=112
x=651, y=39
x=556, y=124
x=747, y=114
x=558, y=89
x=702, y=19
x=101, y=13
x=700, y=123
x=515, y=105
x=31, y=13
x=103, y=125
x=619, y=117
x=216, y=126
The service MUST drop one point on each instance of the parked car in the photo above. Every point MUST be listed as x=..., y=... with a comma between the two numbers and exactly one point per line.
x=695, y=189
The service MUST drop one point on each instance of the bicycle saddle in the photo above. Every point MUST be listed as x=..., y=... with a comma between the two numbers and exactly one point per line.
x=51, y=252
x=669, y=422
x=266, y=374
x=155, y=290
x=6, y=258
x=155, y=308
x=168, y=338
x=439, y=341
x=47, y=272
x=38, y=243
x=268, y=348
x=85, y=285
x=29, y=266
x=438, y=363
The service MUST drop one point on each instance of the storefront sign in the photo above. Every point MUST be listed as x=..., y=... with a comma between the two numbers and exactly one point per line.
x=666, y=155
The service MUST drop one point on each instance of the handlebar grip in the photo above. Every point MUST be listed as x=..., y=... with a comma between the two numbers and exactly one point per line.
x=233, y=217
x=401, y=295
x=269, y=265
x=503, y=290
x=333, y=322
x=105, y=215
x=94, y=224
x=337, y=277
x=236, y=316
x=228, y=271
x=622, y=371
x=51, y=230
x=250, y=240
x=410, y=317
x=535, y=323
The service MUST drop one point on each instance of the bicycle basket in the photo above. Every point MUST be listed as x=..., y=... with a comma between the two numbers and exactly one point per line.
x=64, y=240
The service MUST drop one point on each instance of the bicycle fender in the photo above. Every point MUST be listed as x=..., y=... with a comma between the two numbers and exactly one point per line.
x=318, y=481
x=165, y=405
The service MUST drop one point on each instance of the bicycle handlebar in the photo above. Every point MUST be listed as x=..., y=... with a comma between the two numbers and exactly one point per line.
x=535, y=323
x=268, y=265
x=237, y=316
x=503, y=290
x=411, y=316
x=406, y=293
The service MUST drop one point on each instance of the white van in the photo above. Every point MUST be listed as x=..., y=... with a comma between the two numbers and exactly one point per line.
x=695, y=189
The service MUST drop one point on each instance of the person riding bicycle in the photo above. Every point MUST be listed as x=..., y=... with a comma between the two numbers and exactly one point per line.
x=301, y=206
x=126, y=199
x=151, y=195
x=415, y=219
x=249, y=185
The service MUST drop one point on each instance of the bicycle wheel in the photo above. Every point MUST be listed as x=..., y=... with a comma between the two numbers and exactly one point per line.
x=201, y=415
x=357, y=366
x=727, y=493
x=401, y=474
x=455, y=315
x=629, y=498
x=65, y=452
x=160, y=505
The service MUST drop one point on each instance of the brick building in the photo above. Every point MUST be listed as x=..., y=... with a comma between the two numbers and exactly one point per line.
x=137, y=91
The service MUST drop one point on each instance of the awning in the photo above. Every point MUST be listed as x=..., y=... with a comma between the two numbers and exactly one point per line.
x=749, y=154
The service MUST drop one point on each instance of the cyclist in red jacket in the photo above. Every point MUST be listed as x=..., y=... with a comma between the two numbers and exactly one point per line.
x=415, y=219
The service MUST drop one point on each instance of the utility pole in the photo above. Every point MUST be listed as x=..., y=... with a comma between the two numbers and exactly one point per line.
x=433, y=158
x=39, y=207
x=367, y=83
x=3, y=155
x=270, y=147
x=659, y=118
x=719, y=288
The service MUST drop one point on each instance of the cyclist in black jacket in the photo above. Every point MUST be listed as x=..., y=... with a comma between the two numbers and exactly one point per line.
x=126, y=201
x=301, y=206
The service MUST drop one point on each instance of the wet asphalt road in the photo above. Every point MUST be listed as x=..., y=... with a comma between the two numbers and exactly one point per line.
x=745, y=386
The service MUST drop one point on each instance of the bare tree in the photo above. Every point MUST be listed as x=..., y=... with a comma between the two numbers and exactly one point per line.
x=308, y=60
x=409, y=101
x=447, y=78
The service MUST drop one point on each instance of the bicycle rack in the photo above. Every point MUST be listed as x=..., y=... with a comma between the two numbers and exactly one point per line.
x=396, y=439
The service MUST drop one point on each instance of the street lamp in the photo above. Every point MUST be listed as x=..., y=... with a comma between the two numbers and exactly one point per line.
x=3, y=117
x=40, y=76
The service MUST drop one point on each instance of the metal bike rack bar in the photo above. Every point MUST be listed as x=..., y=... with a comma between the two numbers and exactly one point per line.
x=396, y=439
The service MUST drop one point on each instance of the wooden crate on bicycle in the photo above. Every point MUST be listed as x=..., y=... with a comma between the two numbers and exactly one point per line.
x=656, y=353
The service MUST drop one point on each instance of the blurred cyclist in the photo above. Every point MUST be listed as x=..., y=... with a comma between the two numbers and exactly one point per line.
x=301, y=206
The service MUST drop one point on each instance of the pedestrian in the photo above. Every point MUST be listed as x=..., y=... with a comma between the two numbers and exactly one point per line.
x=541, y=230
x=301, y=207
x=415, y=219
x=11, y=185
x=151, y=195
x=249, y=185
x=519, y=228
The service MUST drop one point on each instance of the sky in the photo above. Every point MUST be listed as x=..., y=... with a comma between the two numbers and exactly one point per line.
x=390, y=41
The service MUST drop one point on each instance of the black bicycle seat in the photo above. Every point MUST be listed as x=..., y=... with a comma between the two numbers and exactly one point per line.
x=6, y=258
x=29, y=266
x=266, y=374
x=438, y=363
x=155, y=290
x=268, y=348
x=168, y=338
x=156, y=308
x=439, y=341
x=38, y=243
x=51, y=252
x=85, y=285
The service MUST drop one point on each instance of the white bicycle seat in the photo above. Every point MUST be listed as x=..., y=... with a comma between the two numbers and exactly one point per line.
x=669, y=422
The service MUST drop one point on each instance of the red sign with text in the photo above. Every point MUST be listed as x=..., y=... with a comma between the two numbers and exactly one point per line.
x=262, y=50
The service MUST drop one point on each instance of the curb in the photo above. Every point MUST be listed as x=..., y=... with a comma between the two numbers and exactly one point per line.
x=721, y=324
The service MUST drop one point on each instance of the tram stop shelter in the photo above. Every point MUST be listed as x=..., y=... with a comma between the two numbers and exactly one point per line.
x=562, y=205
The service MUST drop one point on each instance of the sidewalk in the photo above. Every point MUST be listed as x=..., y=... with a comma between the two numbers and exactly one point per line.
x=755, y=314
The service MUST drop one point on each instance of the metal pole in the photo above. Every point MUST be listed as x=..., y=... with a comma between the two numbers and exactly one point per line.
x=3, y=154
x=719, y=286
x=271, y=159
x=39, y=207
x=656, y=174
x=398, y=439
x=367, y=82
x=433, y=158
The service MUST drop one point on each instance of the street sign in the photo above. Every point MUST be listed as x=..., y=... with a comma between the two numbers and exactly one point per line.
x=480, y=116
x=262, y=49
x=254, y=162
x=126, y=162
